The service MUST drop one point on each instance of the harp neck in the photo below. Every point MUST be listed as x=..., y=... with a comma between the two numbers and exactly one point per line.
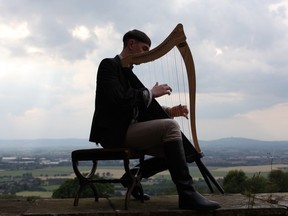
x=176, y=37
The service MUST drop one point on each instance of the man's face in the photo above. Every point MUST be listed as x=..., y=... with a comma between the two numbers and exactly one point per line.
x=138, y=47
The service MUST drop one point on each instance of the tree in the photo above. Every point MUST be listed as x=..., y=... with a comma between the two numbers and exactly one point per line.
x=278, y=181
x=235, y=181
x=69, y=188
x=256, y=184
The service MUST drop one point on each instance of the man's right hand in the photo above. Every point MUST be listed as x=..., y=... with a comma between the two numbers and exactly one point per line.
x=160, y=90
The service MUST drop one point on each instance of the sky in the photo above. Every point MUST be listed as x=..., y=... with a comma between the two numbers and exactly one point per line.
x=50, y=52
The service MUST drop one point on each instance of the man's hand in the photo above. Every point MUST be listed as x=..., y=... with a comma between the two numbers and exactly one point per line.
x=160, y=90
x=180, y=110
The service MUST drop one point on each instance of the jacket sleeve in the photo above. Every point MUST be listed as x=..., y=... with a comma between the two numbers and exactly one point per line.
x=114, y=88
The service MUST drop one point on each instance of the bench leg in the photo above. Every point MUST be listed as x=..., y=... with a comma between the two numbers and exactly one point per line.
x=84, y=181
x=136, y=181
x=77, y=196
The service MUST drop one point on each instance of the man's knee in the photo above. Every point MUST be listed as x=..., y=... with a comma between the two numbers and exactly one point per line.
x=173, y=131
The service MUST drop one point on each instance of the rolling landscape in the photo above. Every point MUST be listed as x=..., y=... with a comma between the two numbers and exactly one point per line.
x=49, y=161
x=226, y=151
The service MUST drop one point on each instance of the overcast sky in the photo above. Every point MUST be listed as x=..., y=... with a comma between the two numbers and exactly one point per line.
x=50, y=51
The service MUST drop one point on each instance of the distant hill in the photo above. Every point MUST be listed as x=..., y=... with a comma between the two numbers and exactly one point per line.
x=37, y=145
x=220, y=145
x=243, y=144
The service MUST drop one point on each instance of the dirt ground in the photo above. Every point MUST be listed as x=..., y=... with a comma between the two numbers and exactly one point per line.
x=14, y=207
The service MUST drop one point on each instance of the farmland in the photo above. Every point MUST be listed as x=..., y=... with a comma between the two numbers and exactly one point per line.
x=66, y=172
x=48, y=162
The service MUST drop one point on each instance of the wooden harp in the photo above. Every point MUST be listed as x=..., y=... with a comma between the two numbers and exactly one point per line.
x=176, y=38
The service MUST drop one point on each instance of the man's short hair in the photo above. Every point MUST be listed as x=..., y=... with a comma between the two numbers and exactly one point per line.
x=137, y=35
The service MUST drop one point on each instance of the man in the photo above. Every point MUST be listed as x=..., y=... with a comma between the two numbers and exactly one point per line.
x=123, y=118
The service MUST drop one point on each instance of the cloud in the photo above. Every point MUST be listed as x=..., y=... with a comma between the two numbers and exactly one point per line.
x=50, y=51
x=266, y=124
x=14, y=31
x=81, y=32
x=275, y=114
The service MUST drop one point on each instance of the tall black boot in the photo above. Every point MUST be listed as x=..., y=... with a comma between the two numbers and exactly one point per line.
x=150, y=167
x=179, y=171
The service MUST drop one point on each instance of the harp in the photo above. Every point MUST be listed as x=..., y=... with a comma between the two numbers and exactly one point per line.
x=177, y=38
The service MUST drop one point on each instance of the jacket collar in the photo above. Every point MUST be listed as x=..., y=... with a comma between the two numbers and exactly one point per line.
x=118, y=60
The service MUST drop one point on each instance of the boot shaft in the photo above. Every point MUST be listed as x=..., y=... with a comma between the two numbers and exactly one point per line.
x=176, y=162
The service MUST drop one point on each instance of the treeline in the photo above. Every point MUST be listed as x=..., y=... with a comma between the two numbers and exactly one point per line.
x=10, y=185
x=236, y=181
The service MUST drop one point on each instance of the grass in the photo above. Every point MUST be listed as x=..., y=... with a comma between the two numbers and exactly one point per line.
x=49, y=171
x=51, y=188
x=42, y=194
x=250, y=169
x=67, y=171
x=55, y=172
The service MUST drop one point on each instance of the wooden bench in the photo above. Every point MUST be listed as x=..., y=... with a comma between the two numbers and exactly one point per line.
x=98, y=154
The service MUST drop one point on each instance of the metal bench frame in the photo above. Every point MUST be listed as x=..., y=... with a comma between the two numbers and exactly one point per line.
x=97, y=154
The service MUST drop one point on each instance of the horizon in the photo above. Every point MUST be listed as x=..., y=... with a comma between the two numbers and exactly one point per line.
x=71, y=138
x=50, y=52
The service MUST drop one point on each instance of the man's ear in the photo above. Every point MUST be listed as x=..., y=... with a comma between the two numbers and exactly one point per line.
x=130, y=44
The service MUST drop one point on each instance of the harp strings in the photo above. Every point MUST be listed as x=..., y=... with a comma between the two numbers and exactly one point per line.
x=169, y=69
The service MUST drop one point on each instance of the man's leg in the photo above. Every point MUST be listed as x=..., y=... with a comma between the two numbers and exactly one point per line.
x=148, y=136
x=189, y=198
x=164, y=137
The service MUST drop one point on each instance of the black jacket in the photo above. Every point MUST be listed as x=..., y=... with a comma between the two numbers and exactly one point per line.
x=117, y=97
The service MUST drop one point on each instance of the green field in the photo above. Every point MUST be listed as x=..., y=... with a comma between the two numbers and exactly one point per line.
x=115, y=171
x=46, y=194
x=50, y=171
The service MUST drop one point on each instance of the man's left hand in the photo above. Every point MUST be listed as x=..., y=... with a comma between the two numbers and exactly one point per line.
x=180, y=110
